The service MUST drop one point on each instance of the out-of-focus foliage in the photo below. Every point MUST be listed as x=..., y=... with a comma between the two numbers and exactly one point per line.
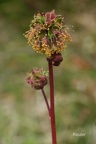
x=23, y=113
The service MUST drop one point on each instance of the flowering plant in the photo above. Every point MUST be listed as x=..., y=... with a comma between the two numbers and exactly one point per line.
x=48, y=36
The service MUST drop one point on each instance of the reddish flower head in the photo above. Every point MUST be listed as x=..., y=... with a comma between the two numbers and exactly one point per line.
x=37, y=78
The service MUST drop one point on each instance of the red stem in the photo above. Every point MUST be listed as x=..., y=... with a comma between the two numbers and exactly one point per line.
x=52, y=112
x=46, y=101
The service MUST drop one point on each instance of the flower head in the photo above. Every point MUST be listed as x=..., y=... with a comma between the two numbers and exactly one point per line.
x=37, y=78
x=47, y=35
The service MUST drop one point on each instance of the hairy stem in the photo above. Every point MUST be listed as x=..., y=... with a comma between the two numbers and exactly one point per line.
x=52, y=112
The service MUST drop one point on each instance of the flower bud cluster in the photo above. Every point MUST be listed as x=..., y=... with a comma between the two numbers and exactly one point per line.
x=56, y=59
x=37, y=78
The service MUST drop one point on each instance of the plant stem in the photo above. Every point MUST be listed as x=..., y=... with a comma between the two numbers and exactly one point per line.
x=46, y=101
x=52, y=112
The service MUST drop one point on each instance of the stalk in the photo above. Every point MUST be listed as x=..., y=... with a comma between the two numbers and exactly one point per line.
x=46, y=101
x=52, y=112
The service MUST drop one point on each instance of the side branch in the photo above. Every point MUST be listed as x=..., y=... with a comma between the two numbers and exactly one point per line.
x=46, y=101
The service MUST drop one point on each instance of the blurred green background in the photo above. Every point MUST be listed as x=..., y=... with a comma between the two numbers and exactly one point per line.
x=23, y=113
